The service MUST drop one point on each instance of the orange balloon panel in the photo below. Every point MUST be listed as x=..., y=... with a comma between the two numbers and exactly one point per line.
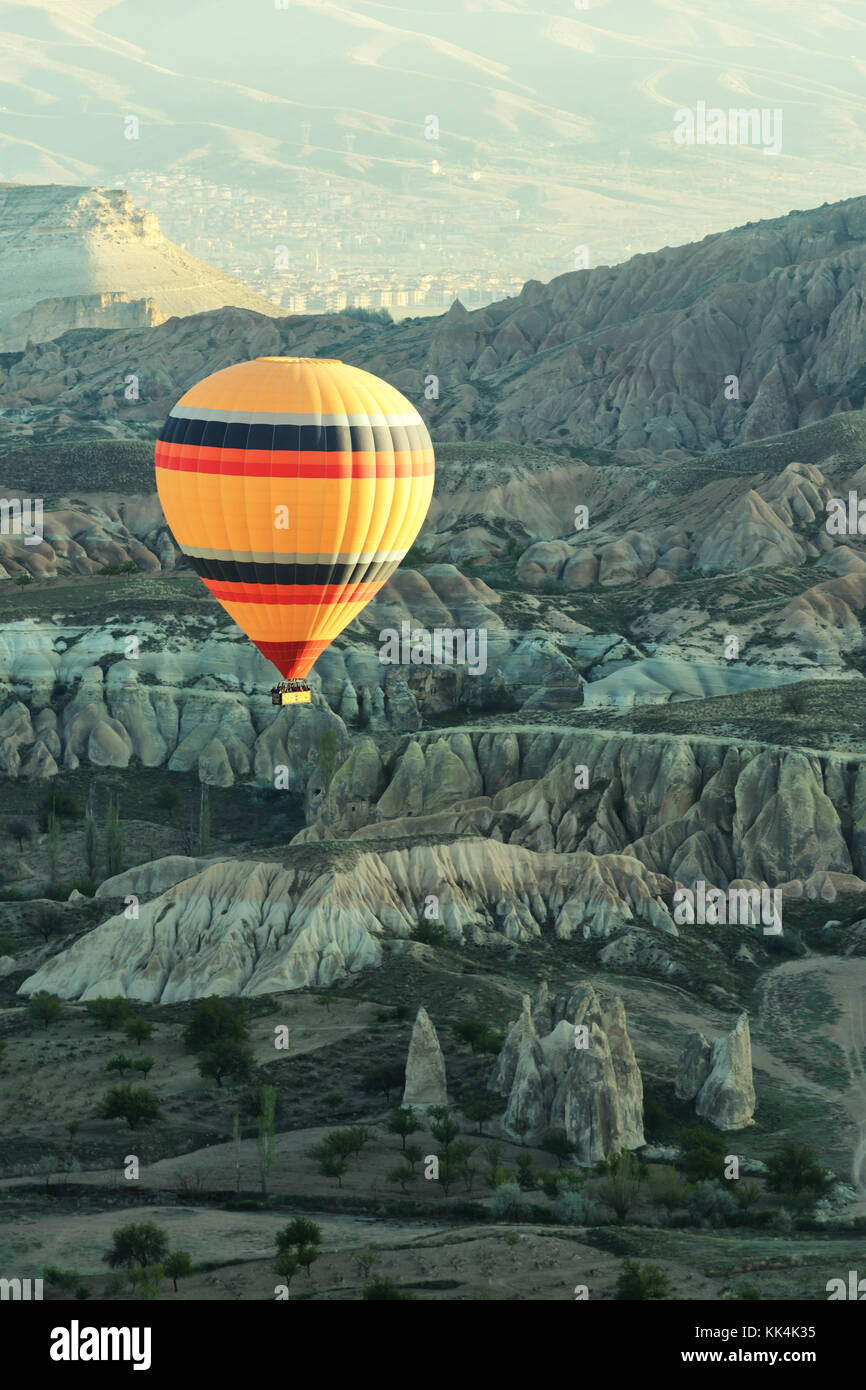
x=295, y=485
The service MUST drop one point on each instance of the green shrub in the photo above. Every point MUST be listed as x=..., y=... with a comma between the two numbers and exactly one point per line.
x=382, y=1289
x=44, y=1008
x=703, y=1154
x=430, y=934
x=794, y=1170
x=111, y=1014
x=637, y=1281
x=574, y=1208
x=61, y=803
x=507, y=1202
x=710, y=1202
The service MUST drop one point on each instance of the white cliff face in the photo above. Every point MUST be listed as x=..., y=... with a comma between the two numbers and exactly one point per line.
x=691, y=808
x=82, y=248
x=247, y=927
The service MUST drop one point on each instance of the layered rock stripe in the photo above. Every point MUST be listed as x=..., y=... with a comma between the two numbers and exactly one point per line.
x=295, y=486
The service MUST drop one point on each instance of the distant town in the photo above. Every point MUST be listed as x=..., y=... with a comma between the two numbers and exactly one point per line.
x=332, y=251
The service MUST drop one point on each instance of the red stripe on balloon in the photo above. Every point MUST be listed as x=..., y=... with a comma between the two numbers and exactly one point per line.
x=291, y=593
x=284, y=463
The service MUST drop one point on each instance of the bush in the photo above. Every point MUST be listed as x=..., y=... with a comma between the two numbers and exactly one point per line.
x=367, y=315
x=167, y=799
x=44, y=1008
x=620, y=1191
x=557, y=1143
x=794, y=1169
x=110, y=1014
x=710, y=1202
x=787, y=944
x=638, y=1281
x=669, y=1189
x=136, y=1107
x=782, y=1221
x=430, y=934
x=216, y=1020
x=383, y=1289
x=479, y=1035
x=226, y=1058
x=507, y=1202
x=60, y=803
x=66, y=1279
x=128, y=567
x=574, y=1208
x=703, y=1154
x=526, y=1178
x=794, y=702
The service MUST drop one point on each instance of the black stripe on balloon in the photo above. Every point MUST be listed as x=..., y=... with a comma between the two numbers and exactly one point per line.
x=249, y=572
x=221, y=434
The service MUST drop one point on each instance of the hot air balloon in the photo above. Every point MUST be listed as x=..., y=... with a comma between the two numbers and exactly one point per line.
x=295, y=485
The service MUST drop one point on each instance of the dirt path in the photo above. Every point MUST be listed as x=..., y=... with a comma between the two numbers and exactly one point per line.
x=844, y=979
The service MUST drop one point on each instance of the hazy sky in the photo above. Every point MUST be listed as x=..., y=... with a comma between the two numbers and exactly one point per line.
x=564, y=114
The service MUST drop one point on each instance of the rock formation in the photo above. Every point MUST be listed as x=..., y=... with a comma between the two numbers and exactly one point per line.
x=693, y=1067
x=718, y=1077
x=605, y=356
x=86, y=257
x=425, y=1066
x=567, y=1063
x=245, y=927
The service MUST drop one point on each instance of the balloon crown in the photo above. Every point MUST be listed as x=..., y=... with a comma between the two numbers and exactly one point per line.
x=335, y=360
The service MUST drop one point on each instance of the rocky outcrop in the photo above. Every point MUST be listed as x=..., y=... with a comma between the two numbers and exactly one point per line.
x=49, y=318
x=242, y=927
x=568, y=1063
x=689, y=808
x=86, y=257
x=693, y=1067
x=718, y=1077
x=727, y=1097
x=425, y=1066
x=604, y=356
x=153, y=877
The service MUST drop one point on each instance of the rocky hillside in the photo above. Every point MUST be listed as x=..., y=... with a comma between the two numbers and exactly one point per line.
x=637, y=357
x=86, y=257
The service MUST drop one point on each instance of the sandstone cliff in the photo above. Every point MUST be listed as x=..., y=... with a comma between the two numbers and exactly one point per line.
x=81, y=257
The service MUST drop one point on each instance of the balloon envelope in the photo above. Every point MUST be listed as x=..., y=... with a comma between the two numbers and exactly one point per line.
x=295, y=485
